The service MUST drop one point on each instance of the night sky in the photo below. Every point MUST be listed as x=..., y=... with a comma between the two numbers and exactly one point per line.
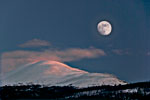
x=61, y=25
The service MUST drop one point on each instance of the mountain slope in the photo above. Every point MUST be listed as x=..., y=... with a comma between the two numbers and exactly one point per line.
x=56, y=73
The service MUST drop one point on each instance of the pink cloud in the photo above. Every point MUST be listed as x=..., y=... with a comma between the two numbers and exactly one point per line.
x=35, y=43
x=13, y=59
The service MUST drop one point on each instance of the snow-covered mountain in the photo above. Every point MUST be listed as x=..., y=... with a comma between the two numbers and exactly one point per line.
x=53, y=73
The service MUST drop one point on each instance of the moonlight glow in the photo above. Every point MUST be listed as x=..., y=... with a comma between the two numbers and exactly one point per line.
x=104, y=28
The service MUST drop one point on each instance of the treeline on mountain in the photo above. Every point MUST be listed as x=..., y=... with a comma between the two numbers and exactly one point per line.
x=135, y=91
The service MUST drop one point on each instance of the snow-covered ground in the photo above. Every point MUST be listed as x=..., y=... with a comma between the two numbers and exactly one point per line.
x=135, y=90
x=55, y=73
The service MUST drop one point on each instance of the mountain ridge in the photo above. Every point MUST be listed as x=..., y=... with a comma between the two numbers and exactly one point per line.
x=59, y=74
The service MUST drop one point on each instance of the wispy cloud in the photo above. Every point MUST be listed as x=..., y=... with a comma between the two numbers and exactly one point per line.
x=10, y=60
x=35, y=43
x=148, y=53
x=120, y=51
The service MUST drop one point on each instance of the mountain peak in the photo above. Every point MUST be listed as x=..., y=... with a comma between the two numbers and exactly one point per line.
x=55, y=73
x=58, y=68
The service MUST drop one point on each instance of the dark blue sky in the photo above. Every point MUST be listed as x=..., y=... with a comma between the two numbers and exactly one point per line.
x=73, y=24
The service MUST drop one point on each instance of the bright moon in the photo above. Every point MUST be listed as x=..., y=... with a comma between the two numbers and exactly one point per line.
x=104, y=28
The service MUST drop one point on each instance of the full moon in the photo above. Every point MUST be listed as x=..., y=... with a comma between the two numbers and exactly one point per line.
x=104, y=28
